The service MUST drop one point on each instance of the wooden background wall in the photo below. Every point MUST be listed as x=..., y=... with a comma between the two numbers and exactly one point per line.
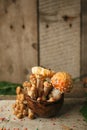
x=60, y=35
x=84, y=38
x=18, y=39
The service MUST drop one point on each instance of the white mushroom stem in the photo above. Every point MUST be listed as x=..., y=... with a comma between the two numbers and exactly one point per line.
x=55, y=95
x=47, y=88
x=33, y=92
x=31, y=114
x=40, y=87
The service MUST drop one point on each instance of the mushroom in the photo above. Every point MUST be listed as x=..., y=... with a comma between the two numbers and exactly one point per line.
x=54, y=95
x=31, y=114
x=62, y=81
x=39, y=85
x=42, y=71
x=32, y=92
x=47, y=88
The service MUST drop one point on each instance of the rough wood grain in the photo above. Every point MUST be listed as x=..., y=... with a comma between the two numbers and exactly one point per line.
x=18, y=39
x=84, y=38
x=60, y=35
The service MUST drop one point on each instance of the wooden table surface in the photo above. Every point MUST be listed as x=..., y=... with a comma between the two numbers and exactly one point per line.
x=69, y=117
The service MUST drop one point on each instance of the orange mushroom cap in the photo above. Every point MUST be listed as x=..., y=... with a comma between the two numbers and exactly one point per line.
x=62, y=81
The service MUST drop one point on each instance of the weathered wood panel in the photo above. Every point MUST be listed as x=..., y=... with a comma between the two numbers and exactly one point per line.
x=18, y=39
x=60, y=35
x=84, y=38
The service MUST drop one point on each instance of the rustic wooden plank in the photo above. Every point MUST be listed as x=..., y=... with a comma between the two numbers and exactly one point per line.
x=84, y=38
x=60, y=35
x=18, y=39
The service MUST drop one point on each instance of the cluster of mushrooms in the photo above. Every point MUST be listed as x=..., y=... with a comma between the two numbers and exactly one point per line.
x=43, y=85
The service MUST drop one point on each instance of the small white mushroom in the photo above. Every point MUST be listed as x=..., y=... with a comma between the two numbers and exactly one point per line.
x=47, y=88
x=31, y=114
x=40, y=86
x=55, y=95
x=33, y=92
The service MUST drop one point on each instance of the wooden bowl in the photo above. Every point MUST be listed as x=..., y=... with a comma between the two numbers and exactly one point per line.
x=45, y=109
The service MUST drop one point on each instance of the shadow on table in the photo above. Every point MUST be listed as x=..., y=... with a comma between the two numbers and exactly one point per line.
x=69, y=105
